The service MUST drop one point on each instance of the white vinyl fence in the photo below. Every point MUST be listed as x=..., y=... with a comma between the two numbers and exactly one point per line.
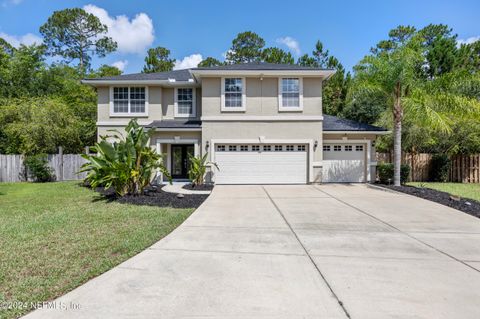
x=65, y=167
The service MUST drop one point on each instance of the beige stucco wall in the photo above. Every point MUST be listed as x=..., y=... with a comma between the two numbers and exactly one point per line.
x=160, y=105
x=261, y=97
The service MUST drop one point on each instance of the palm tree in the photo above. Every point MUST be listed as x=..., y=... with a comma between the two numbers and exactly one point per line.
x=436, y=103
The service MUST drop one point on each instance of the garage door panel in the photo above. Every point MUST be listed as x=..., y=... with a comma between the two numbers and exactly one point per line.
x=265, y=167
x=343, y=163
x=343, y=171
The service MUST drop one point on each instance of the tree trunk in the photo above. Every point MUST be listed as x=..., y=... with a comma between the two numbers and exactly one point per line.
x=397, y=139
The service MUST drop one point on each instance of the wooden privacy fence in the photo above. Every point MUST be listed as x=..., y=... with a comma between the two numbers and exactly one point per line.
x=65, y=167
x=463, y=168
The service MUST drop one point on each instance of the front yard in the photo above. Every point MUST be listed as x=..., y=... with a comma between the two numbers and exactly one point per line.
x=470, y=190
x=56, y=236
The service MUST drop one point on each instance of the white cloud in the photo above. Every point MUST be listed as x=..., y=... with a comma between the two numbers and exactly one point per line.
x=17, y=40
x=132, y=36
x=290, y=43
x=225, y=54
x=6, y=3
x=468, y=40
x=188, y=62
x=120, y=64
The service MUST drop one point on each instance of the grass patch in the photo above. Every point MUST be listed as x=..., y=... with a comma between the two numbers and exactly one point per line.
x=56, y=236
x=471, y=190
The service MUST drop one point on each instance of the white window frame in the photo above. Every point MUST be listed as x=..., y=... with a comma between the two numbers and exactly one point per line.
x=242, y=108
x=128, y=114
x=282, y=108
x=194, y=103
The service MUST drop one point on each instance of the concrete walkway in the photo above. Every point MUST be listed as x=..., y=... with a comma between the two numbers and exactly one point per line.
x=329, y=251
x=177, y=188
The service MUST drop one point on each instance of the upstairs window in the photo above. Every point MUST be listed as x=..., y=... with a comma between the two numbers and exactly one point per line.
x=185, y=102
x=233, y=94
x=128, y=101
x=290, y=94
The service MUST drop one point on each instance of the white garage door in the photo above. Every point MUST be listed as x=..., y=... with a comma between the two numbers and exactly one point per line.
x=343, y=163
x=261, y=164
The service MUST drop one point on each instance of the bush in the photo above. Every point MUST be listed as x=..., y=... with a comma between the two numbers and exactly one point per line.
x=198, y=168
x=385, y=173
x=127, y=165
x=439, y=167
x=404, y=173
x=37, y=168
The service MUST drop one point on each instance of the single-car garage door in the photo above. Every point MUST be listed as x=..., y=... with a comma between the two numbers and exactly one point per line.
x=343, y=163
x=261, y=164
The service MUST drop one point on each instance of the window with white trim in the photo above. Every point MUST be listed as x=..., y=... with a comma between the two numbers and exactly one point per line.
x=185, y=102
x=267, y=148
x=220, y=148
x=337, y=148
x=359, y=148
x=290, y=148
x=326, y=148
x=301, y=148
x=232, y=148
x=244, y=148
x=255, y=148
x=290, y=94
x=129, y=100
x=233, y=91
x=348, y=148
x=278, y=148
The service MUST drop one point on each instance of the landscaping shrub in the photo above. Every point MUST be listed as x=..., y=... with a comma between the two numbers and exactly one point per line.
x=439, y=167
x=385, y=173
x=37, y=168
x=198, y=167
x=127, y=165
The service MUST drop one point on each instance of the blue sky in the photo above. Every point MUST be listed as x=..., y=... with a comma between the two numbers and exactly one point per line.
x=193, y=28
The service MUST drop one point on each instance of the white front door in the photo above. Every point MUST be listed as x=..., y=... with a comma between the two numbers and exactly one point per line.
x=261, y=164
x=343, y=163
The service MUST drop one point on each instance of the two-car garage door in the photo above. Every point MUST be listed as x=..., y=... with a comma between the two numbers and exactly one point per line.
x=261, y=164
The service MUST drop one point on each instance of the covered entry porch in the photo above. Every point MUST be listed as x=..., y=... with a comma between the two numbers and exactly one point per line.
x=176, y=142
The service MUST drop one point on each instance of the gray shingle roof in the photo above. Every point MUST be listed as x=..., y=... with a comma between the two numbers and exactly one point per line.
x=255, y=66
x=184, y=124
x=333, y=123
x=178, y=75
x=185, y=75
x=330, y=124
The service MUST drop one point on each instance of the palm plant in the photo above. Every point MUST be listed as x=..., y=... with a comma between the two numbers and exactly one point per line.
x=198, y=168
x=128, y=165
x=435, y=103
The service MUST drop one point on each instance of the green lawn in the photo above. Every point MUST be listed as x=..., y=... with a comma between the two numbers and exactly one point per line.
x=471, y=191
x=56, y=236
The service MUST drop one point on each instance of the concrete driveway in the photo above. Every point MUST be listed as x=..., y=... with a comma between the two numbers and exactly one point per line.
x=329, y=251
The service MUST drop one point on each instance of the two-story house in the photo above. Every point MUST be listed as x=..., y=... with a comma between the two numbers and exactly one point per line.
x=261, y=123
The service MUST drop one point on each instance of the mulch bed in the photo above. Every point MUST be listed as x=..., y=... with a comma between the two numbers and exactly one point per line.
x=155, y=196
x=465, y=205
x=204, y=187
